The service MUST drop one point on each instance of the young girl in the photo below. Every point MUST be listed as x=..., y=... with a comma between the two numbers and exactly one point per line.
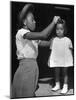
x=26, y=77
x=61, y=55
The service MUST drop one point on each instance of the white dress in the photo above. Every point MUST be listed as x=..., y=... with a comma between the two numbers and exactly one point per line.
x=61, y=55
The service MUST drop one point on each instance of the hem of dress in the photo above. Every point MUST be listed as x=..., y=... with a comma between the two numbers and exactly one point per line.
x=60, y=66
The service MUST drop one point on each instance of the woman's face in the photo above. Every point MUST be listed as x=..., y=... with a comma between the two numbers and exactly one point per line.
x=30, y=22
x=59, y=30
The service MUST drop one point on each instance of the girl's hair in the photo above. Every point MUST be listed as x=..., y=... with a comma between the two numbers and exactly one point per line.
x=63, y=22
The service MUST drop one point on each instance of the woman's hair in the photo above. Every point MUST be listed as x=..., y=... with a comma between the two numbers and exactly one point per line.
x=63, y=22
x=21, y=24
x=23, y=14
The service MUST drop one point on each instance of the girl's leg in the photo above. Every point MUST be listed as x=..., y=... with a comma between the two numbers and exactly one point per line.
x=65, y=76
x=57, y=72
x=57, y=84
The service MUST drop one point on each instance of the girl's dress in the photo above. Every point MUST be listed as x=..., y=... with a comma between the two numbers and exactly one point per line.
x=61, y=55
x=26, y=77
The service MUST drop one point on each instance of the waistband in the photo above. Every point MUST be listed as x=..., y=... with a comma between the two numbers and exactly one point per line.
x=27, y=59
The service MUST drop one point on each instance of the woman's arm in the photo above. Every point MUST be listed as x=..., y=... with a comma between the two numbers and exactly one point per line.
x=45, y=43
x=43, y=34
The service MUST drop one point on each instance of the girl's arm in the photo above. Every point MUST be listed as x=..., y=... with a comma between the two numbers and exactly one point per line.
x=71, y=46
x=43, y=34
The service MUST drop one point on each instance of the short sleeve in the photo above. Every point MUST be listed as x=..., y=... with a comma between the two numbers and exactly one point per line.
x=21, y=32
x=70, y=43
x=19, y=38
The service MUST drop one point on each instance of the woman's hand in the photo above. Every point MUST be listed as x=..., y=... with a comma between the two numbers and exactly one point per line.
x=55, y=19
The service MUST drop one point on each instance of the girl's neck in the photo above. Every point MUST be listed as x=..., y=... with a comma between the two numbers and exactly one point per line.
x=60, y=37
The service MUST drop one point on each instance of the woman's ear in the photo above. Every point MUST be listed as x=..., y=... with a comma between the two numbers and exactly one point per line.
x=24, y=22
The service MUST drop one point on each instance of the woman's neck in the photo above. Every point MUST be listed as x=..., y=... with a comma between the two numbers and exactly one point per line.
x=25, y=27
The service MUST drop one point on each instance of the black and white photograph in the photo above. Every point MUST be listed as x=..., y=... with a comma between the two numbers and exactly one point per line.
x=42, y=49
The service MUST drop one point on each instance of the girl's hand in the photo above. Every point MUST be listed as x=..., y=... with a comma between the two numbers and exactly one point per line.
x=55, y=19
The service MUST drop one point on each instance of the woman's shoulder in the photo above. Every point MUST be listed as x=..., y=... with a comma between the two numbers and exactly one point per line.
x=22, y=31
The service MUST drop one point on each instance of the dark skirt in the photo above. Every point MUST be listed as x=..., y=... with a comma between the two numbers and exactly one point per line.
x=25, y=79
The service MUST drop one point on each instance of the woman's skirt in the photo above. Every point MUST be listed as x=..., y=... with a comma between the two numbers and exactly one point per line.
x=25, y=79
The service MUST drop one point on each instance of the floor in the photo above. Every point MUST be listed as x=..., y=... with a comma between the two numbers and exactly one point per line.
x=45, y=89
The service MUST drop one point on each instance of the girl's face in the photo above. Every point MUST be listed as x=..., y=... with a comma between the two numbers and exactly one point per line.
x=30, y=22
x=59, y=30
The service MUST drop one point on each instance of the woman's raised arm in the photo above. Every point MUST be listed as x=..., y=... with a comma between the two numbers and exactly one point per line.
x=43, y=34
